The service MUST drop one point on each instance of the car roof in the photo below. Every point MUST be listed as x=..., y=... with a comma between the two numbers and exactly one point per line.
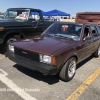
x=23, y=8
x=88, y=12
x=89, y=23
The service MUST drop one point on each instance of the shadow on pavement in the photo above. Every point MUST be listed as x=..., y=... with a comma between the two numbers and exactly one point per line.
x=50, y=79
x=84, y=61
x=1, y=51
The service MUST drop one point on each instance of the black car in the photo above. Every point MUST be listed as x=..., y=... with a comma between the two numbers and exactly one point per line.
x=18, y=23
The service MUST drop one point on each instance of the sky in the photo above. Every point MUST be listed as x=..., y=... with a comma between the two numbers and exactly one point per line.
x=68, y=6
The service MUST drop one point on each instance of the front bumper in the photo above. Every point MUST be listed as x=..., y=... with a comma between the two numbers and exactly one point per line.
x=33, y=65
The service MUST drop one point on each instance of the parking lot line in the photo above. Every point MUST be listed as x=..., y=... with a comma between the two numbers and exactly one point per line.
x=84, y=85
x=3, y=72
x=15, y=88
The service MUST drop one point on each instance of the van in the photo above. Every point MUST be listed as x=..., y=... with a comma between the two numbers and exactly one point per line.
x=91, y=17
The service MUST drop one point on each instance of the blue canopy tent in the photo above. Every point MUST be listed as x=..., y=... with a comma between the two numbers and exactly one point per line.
x=57, y=13
x=53, y=13
x=46, y=16
x=45, y=13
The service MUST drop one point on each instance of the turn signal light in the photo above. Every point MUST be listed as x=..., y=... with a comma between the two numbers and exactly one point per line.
x=53, y=62
x=1, y=28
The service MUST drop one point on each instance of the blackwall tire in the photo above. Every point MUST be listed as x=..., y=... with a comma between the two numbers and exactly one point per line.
x=68, y=70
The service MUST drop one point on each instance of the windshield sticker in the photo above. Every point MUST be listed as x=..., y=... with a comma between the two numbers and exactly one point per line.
x=64, y=27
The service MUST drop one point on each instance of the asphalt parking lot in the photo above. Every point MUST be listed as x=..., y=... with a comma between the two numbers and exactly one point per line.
x=31, y=85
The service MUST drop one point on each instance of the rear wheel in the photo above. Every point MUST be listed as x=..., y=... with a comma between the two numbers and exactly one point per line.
x=97, y=53
x=69, y=69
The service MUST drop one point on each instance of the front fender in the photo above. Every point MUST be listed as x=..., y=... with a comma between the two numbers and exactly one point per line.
x=68, y=56
x=12, y=32
x=2, y=39
x=71, y=54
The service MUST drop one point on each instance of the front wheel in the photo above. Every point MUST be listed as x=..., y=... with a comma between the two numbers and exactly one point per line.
x=69, y=69
x=9, y=39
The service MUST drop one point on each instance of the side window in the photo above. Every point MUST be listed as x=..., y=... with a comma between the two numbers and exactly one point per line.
x=87, y=32
x=98, y=29
x=94, y=31
x=12, y=13
x=34, y=15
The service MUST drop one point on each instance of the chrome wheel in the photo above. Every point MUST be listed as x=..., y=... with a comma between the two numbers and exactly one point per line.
x=68, y=70
x=71, y=69
x=11, y=40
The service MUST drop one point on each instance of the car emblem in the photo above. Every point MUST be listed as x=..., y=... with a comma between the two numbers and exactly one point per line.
x=24, y=52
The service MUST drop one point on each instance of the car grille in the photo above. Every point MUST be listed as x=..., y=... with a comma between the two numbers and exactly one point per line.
x=27, y=54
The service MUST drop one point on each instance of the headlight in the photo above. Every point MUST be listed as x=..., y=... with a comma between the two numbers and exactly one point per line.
x=45, y=59
x=11, y=48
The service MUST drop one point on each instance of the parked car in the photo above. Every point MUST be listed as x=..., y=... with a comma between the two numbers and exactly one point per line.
x=57, y=50
x=18, y=23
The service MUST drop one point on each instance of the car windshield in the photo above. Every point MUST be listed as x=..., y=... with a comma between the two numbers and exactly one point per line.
x=64, y=30
x=14, y=13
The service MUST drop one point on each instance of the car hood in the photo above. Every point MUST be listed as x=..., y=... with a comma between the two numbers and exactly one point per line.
x=43, y=44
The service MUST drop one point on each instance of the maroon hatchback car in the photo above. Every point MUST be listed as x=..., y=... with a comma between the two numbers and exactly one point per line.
x=58, y=49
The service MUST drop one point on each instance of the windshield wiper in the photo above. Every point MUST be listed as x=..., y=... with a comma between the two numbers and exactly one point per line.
x=73, y=34
x=62, y=36
x=52, y=35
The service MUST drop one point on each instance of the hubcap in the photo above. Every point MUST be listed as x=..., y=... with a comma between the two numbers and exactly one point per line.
x=72, y=69
x=11, y=40
x=99, y=51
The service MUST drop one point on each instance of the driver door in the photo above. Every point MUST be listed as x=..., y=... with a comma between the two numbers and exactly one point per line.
x=34, y=24
x=37, y=21
x=87, y=43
